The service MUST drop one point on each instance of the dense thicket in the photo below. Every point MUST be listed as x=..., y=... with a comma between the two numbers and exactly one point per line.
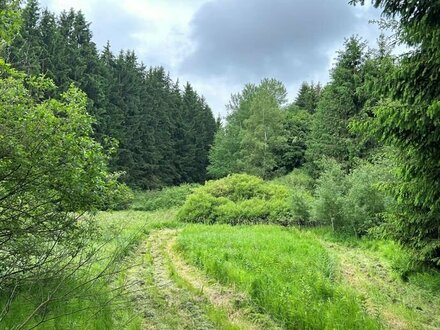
x=163, y=133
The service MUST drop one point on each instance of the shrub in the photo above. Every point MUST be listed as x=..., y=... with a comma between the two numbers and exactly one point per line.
x=120, y=198
x=302, y=202
x=297, y=179
x=300, y=186
x=162, y=199
x=330, y=191
x=51, y=172
x=353, y=203
x=237, y=199
x=365, y=201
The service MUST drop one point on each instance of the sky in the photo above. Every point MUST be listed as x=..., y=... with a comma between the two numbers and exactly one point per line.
x=220, y=45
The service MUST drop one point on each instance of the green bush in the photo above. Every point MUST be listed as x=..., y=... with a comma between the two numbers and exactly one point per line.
x=297, y=179
x=162, y=199
x=302, y=202
x=120, y=198
x=365, y=201
x=353, y=203
x=300, y=186
x=237, y=199
x=330, y=191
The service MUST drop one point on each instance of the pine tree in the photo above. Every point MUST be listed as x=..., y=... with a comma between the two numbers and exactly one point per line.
x=339, y=104
x=25, y=51
x=308, y=96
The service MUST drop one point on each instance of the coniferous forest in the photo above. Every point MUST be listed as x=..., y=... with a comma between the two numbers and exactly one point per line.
x=162, y=130
x=124, y=204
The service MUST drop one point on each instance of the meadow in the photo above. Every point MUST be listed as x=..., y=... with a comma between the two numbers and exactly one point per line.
x=152, y=270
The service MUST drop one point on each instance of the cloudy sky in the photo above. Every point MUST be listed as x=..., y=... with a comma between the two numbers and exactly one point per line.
x=219, y=45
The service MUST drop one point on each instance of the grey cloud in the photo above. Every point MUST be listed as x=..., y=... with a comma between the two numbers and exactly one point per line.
x=110, y=22
x=114, y=24
x=284, y=39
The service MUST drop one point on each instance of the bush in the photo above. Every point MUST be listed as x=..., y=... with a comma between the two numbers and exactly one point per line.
x=302, y=202
x=365, y=201
x=162, y=199
x=330, y=191
x=353, y=203
x=237, y=199
x=120, y=198
x=51, y=172
x=300, y=186
x=297, y=179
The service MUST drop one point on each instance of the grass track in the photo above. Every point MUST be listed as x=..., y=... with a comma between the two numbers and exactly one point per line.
x=169, y=294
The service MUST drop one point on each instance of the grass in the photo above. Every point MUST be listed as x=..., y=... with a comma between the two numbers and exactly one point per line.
x=288, y=274
x=86, y=300
x=405, y=295
x=163, y=199
x=303, y=279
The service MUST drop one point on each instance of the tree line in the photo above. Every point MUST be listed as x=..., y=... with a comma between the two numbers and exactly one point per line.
x=160, y=131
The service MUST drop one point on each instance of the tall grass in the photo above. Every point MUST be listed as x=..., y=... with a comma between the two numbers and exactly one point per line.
x=93, y=297
x=287, y=273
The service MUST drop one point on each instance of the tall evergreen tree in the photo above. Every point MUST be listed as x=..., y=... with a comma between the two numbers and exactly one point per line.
x=25, y=51
x=409, y=120
x=339, y=104
x=308, y=96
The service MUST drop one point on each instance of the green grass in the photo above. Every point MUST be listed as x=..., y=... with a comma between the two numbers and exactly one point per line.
x=81, y=301
x=406, y=295
x=302, y=279
x=288, y=274
x=165, y=198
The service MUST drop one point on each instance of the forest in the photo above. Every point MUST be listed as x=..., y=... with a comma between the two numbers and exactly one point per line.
x=125, y=204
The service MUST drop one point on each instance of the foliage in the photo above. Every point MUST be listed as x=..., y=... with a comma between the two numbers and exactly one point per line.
x=301, y=187
x=297, y=179
x=165, y=198
x=341, y=101
x=51, y=171
x=291, y=153
x=164, y=131
x=384, y=273
x=236, y=199
x=331, y=188
x=366, y=201
x=409, y=119
x=252, y=133
x=9, y=21
x=96, y=295
x=287, y=273
x=308, y=96
x=119, y=197
x=357, y=202
x=301, y=209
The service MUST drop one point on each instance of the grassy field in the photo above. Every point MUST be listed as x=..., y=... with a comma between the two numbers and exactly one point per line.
x=152, y=272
